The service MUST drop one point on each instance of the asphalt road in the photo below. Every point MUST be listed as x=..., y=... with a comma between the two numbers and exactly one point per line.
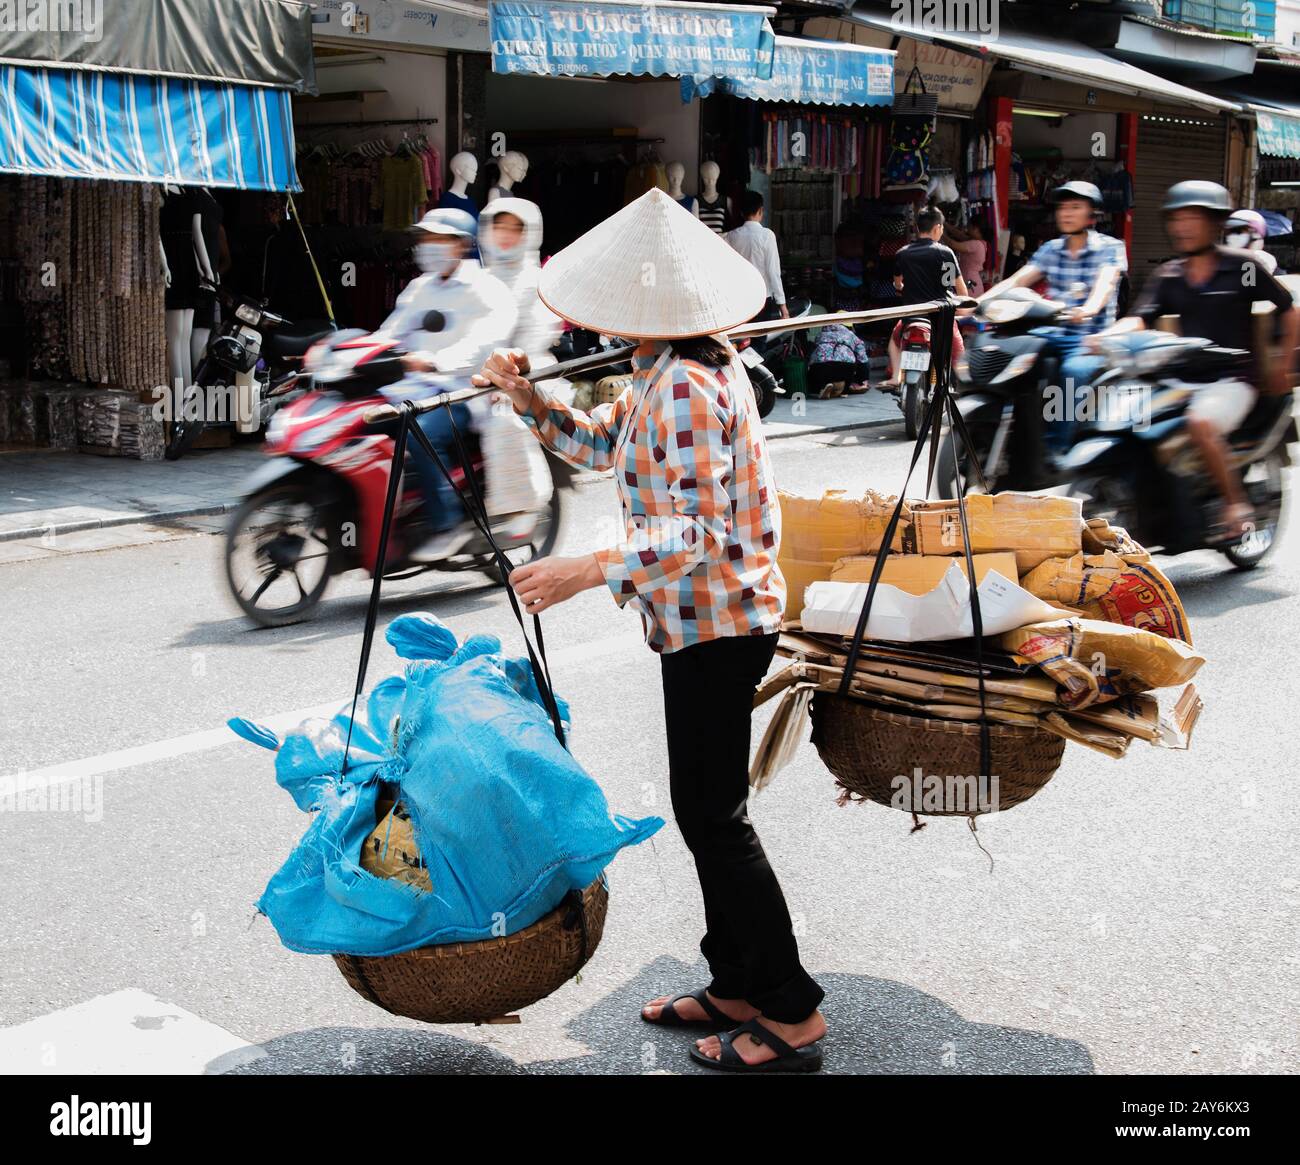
x=1138, y=916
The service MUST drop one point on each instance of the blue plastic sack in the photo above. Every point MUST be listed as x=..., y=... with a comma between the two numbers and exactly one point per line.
x=505, y=818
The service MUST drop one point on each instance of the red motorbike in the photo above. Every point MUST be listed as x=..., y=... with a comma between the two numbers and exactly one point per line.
x=316, y=507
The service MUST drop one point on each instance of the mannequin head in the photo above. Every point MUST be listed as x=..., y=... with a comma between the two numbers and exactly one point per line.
x=709, y=172
x=465, y=167
x=676, y=175
x=514, y=167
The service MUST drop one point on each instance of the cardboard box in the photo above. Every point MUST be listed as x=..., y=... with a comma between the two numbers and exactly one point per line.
x=390, y=850
x=1035, y=527
x=816, y=532
x=919, y=574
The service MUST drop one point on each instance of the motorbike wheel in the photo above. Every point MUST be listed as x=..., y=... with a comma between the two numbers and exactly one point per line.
x=281, y=547
x=1266, y=497
x=916, y=399
x=1112, y=498
x=545, y=536
x=764, y=384
x=182, y=431
x=945, y=466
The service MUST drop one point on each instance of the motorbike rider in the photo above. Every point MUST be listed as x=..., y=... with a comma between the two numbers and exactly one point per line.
x=927, y=269
x=1246, y=230
x=510, y=243
x=1213, y=289
x=478, y=314
x=1083, y=269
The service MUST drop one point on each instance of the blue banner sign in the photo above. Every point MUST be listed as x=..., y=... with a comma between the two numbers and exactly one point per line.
x=1278, y=136
x=812, y=72
x=595, y=38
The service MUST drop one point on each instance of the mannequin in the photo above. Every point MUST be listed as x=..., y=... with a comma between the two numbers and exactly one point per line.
x=464, y=170
x=713, y=210
x=514, y=169
x=187, y=261
x=205, y=308
x=676, y=173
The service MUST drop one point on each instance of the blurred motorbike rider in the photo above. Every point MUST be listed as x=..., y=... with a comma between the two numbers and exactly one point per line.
x=1246, y=230
x=1083, y=269
x=510, y=243
x=1213, y=290
x=477, y=315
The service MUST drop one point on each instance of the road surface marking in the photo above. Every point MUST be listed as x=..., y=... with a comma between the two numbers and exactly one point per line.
x=129, y=1033
x=141, y=754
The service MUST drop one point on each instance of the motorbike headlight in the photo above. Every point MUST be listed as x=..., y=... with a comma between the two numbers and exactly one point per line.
x=1018, y=367
x=276, y=428
x=1005, y=311
x=248, y=314
x=1152, y=359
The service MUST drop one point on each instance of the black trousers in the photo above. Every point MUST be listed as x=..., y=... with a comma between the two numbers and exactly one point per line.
x=749, y=942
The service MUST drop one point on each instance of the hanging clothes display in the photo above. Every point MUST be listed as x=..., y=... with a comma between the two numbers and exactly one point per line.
x=369, y=183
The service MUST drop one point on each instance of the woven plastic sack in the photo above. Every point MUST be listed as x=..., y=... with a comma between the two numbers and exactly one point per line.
x=518, y=478
x=504, y=817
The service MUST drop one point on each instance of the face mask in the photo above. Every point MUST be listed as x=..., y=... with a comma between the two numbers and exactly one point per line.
x=1240, y=239
x=435, y=258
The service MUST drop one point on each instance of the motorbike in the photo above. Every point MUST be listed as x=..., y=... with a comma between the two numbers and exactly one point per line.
x=1136, y=466
x=252, y=356
x=913, y=394
x=315, y=508
x=999, y=386
x=764, y=358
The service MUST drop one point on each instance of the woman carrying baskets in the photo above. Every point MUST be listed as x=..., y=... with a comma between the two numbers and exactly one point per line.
x=699, y=562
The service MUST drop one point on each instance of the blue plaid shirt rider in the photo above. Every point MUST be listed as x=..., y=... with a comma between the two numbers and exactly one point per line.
x=1072, y=276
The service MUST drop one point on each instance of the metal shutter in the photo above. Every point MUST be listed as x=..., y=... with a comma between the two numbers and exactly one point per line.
x=1169, y=149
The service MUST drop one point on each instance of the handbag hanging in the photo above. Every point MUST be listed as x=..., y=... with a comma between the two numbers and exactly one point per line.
x=910, y=129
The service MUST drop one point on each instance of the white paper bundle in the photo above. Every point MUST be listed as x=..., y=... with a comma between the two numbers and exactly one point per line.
x=832, y=608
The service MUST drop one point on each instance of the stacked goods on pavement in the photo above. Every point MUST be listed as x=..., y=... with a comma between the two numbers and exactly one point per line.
x=1081, y=631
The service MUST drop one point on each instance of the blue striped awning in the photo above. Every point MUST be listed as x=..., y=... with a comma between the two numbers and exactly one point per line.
x=126, y=127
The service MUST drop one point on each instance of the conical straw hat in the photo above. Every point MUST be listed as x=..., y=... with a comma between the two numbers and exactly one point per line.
x=652, y=271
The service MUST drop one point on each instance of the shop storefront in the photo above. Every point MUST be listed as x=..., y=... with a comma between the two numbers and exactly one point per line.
x=812, y=139
x=112, y=152
x=1055, y=110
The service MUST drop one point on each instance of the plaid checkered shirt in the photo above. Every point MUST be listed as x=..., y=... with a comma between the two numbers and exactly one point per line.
x=702, y=521
x=1071, y=277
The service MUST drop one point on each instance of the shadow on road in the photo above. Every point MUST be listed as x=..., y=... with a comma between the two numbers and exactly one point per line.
x=342, y=615
x=877, y=1027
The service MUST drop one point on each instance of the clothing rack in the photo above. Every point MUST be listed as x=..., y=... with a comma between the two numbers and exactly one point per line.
x=308, y=126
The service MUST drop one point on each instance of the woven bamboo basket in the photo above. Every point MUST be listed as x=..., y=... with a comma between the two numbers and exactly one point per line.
x=609, y=388
x=868, y=748
x=481, y=981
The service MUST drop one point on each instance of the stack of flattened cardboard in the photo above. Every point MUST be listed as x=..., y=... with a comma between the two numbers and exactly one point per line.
x=1109, y=631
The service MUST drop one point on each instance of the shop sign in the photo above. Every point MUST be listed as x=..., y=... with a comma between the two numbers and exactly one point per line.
x=813, y=72
x=1278, y=136
x=398, y=23
x=956, y=77
x=575, y=39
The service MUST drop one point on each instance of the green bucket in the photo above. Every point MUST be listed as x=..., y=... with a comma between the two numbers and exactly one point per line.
x=795, y=378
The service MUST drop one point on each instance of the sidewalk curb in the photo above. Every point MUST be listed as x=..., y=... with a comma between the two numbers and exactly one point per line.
x=157, y=517
x=144, y=518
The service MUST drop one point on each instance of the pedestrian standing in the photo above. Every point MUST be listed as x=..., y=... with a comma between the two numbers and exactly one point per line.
x=699, y=560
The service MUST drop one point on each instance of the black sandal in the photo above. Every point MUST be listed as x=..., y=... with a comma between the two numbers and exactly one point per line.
x=788, y=1059
x=718, y=1019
